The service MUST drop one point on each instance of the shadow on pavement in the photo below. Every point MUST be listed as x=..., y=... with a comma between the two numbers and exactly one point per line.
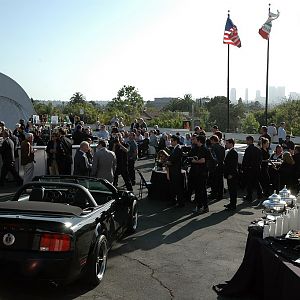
x=157, y=220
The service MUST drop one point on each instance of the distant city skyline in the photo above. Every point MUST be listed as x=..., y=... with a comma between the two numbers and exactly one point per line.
x=165, y=48
x=276, y=95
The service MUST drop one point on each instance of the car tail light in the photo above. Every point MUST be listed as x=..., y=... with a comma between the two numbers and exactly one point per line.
x=55, y=242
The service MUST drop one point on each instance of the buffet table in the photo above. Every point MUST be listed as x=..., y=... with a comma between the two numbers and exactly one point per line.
x=161, y=184
x=263, y=273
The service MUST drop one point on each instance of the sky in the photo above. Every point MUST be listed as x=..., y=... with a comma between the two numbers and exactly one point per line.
x=165, y=48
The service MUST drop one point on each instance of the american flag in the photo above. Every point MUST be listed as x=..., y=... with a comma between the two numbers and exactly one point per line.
x=231, y=36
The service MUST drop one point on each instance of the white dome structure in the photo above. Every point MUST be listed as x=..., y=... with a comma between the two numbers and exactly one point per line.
x=14, y=102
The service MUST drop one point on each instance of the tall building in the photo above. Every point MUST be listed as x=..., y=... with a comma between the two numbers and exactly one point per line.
x=246, y=95
x=257, y=95
x=233, y=95
x=276, y=94
x=281, y=93
x=272, y=94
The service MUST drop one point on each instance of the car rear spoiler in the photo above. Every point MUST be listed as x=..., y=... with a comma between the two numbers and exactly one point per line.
x=40, y=207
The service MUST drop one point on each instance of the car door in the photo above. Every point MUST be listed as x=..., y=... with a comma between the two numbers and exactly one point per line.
x=121, y=211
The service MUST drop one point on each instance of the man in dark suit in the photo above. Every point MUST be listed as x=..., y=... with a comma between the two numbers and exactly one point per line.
x=8, y=159
x=251, y=166
x=217, y=182
x=174, y=172
x=121, y=151
x=64, y=154
x=200, y=173
x=231, y=173
x=82, y=166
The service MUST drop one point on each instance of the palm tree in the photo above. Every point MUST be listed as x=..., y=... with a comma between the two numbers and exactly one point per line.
x=77, y=98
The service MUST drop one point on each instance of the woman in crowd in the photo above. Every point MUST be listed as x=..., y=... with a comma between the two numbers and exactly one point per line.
x=287, y=172
x=162, y=142
x=273, y=168
x=277, y=153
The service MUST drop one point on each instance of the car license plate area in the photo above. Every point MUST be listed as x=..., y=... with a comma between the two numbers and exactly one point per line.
x=16, y=240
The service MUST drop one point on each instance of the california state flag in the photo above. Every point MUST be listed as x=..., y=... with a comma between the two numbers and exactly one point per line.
x=265, y=30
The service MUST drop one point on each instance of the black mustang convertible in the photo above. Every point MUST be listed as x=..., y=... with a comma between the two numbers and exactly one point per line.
x=58, y=228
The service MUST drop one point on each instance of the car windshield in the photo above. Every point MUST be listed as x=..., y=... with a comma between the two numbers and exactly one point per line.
x=91, y=185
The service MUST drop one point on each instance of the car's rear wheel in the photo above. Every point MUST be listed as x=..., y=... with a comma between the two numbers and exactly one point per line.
x=133, y=219
x=97, y=263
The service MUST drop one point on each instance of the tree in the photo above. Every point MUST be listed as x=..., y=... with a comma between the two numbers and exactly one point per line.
x=250, y=124
x=288, y=112
x=218, y=116
x=237, y=113
x=128, y=102
x=167, y=120
x=91, y=113
x=43, y=108
x=181, y=104
x=254, y=106
x=77, y=98
x=215, y=101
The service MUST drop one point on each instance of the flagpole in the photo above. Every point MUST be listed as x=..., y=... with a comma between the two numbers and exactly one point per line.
x=267, y=86
x=267, y=78
x=228, y=89
x=228, y=82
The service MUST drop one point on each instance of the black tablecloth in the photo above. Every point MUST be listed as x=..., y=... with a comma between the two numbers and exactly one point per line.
x=161, y=185
x=263, y=273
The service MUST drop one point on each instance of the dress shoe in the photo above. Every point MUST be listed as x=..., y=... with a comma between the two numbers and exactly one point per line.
x=230, y=208
x=203, y=210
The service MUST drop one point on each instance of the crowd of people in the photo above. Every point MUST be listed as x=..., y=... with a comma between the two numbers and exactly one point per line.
x=205, y=158
x=116, y=151
x=211, y=160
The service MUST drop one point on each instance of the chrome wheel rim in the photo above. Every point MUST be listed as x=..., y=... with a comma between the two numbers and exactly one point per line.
x=134, y=219
x=101, y=260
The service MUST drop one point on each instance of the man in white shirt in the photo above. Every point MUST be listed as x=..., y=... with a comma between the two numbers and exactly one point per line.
x=272, y=131
x=281, y=133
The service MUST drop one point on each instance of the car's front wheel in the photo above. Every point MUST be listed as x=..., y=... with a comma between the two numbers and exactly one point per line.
x=133, y=219
x=97, y=263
